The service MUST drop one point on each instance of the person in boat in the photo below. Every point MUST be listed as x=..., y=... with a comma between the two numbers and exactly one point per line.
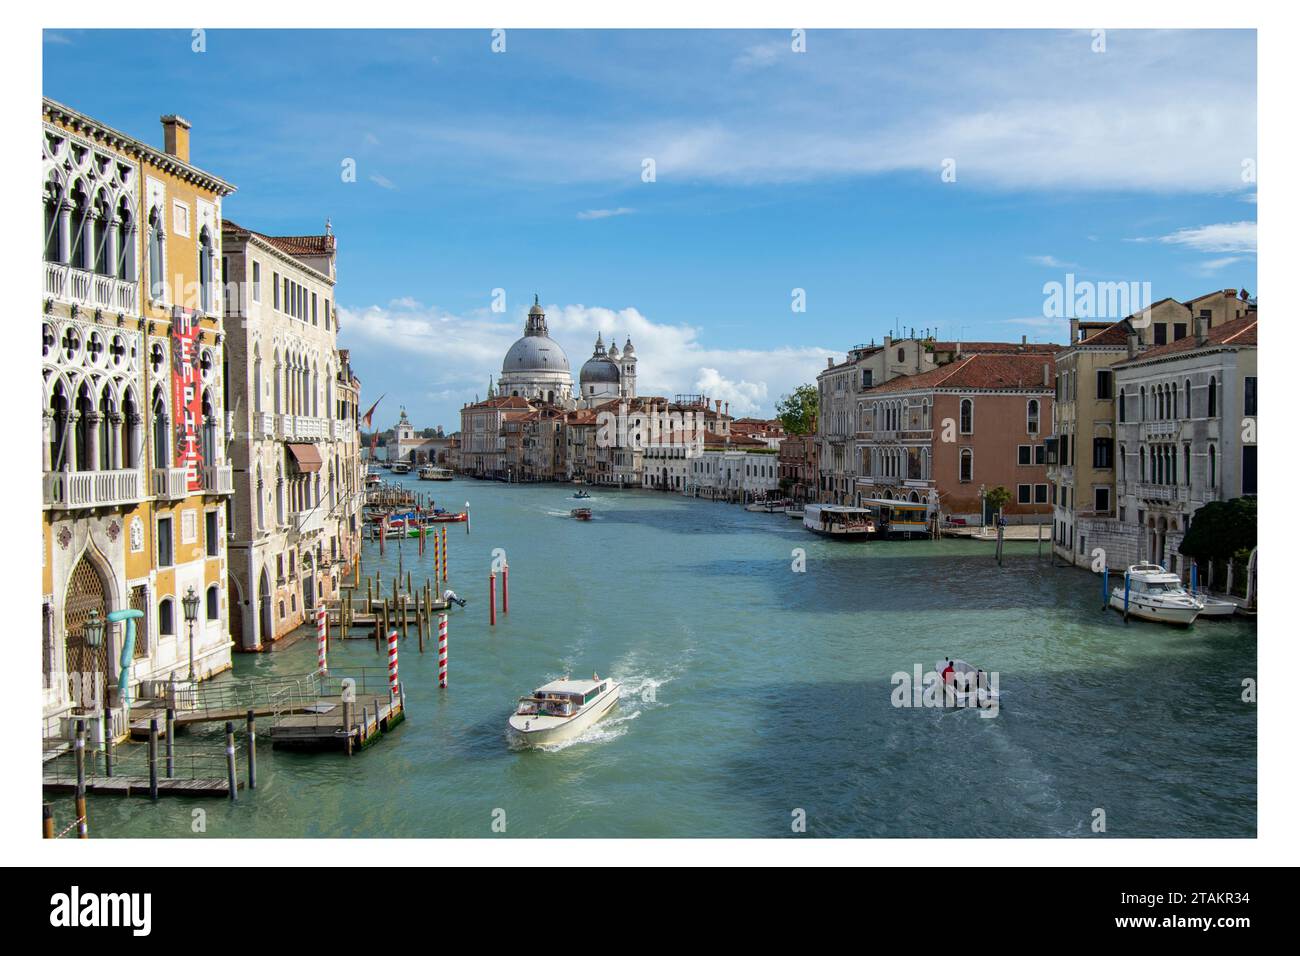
x=450, y=597
x=949, y=673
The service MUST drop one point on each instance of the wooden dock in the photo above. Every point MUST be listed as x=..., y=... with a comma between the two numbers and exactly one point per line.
x=334, y=725
x=139, y=786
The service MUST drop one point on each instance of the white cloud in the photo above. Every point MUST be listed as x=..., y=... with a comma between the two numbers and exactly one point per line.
x=451, y=356
x=605, y=213
x=1220, y=237
x=382, y=181
x=1053, y=262
x=1214, y=265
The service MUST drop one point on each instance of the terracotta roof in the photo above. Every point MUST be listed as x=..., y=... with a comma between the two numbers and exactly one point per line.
x=980, y=371
x=502, y=401
x=1239, y=333
x=290, y=245
x=973, y=348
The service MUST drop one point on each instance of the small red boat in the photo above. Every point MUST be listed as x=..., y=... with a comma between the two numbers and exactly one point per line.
x=446, y=516
x=582, y=514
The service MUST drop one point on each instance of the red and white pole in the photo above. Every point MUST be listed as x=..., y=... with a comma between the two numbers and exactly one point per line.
x=322, y=639
x=505, y=589
x=442, y=650
x=392, y=661
x=492, y=598
x=444, y=554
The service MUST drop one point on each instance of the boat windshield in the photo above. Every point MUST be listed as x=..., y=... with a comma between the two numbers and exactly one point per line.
x=1164, y=587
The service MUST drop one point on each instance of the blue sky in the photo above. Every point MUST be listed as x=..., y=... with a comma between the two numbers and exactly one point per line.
x=774, y=170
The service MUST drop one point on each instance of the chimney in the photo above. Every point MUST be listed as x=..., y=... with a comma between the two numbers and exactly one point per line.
x=1132, y=345
x=888, y=340
x=958, y=352
x=726, y=408
x=1024, y=340
x=1074, y=331
x=176, y=137
x=1047, y=375
x=1202, y=329
x=830, y=361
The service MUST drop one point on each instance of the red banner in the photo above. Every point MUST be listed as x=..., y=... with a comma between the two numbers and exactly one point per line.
x=187, y=396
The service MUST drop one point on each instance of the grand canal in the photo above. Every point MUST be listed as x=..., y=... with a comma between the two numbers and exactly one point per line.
x=753, y=692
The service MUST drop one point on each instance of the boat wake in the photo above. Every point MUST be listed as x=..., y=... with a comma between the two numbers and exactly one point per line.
x=610, y=728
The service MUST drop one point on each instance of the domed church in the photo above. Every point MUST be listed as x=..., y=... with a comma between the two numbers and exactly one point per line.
x=607, y=375
x=535, y=366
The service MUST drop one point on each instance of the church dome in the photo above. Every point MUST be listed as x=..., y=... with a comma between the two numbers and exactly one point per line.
x=598, y=371
x=535, y=353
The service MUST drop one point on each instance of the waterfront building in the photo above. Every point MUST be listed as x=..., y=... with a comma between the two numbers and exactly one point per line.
x=136, y=483
x=768, y=430
x=535, y=367
x=1083, y=457
x=413, y=447
x=483, y=443
x=732, y=468
x=797, y=467
x=958, y=431
x=296, y=527
x=1186, y=436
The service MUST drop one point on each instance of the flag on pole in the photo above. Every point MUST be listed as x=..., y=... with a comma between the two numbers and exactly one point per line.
x=368, y=415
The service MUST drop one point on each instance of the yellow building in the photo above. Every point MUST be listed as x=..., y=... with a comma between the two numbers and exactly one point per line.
x=1082, y=454
x=136, y=483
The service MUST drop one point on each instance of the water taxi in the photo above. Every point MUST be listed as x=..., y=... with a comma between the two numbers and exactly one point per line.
x=561, y=710
x=839, y=521
x=899, y=518
x=582, y=514
x=434, y=473
x=373, y=478
x=401, y=467
x=1153, y=594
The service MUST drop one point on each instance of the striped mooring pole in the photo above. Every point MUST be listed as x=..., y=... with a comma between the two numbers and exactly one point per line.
x=492, y=598
x=505, y=589
x=444, y=554
x=392, y=660
x=442, y=650
x=322, y=640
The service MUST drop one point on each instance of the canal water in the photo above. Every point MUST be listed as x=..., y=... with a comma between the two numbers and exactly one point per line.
x=756, y=697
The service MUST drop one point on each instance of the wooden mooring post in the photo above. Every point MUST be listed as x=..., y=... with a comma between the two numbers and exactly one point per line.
x=252, y=749
x=153, y=759
x=230, y=759
x=82, y=830
x=171, y=742
x=47, y=822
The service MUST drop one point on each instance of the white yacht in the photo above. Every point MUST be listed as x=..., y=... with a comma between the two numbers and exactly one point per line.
x=401, y=467
x=561, y=710
x=1156, y=595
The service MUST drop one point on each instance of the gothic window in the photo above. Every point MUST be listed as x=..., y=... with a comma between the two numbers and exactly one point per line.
x=967, y=465
x=1212, y=400
x=1031, y=415
x=53, y=221
x=124, y=267
x=205, y=270
x=80, y=225
x=100, y=226
x=166, y=617
x=1213, y=483
x=161, y=438
x=209, y=437
x=213, y=604
x=156, y=245
x=967, y=416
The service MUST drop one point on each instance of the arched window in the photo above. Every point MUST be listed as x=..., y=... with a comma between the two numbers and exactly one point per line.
x=257, y=380
x=167, y=617
x=100, y=227
x=1214, y=475
x=967, y=416
x=157, y=268
x=107, y=440
x=279, y=496
x=161, y=442
x=966, y=468
x=60, y=412
x=53, y=221
x=261, y=500
x=205, y=270
x=1187, y=392
x=209, y=436
x=1187, y=464
x=1142, y=404
x=84, y=431
x=1123, y=464
x=1031, y=416
x=1123, y=412
x=1142, y=463
x=80, y=225
x=130, y=431
x=214, y=604
x=124, y=267
x=1212, y=399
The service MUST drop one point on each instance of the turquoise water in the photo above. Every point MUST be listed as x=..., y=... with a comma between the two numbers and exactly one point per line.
x=753, y=692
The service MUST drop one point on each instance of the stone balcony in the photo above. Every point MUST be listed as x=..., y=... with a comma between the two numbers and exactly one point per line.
x=302, y=523
x=304, y=428
x=91, y=290
x=1161, y=430
x=170, y=484
x=65, y=490
x=1148, y=491
x=218, y=480
x=263, y=425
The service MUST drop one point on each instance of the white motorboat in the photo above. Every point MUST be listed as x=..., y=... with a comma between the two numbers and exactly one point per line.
x=970, y=684
x=795, y=512
x=434, y=473
x=839, y=521
x=1156, y=595
x=401, y=467
x=561, y=710
x=1215, y=607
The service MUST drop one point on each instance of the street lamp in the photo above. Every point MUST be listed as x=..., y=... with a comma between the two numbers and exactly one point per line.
x=191, y=605
x=92, y=632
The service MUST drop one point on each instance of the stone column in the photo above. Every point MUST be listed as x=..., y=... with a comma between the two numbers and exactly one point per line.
x=65, y=231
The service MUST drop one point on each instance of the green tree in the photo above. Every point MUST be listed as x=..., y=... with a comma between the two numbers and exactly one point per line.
x=997, y=498
x=1221, y=530
x=798, y=410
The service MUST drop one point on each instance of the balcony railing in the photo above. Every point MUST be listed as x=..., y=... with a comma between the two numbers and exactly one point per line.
x=218, y=480
x=305, y=427
x=1153, y=492
x=1161, y=429
x=307, y=522
x=170, y=484
x=264, y=425
x=93, y=489
x=70, y=284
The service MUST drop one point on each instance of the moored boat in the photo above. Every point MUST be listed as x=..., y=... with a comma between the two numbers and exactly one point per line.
x=561, y=710
x=838, y=521
x=1155, y=595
